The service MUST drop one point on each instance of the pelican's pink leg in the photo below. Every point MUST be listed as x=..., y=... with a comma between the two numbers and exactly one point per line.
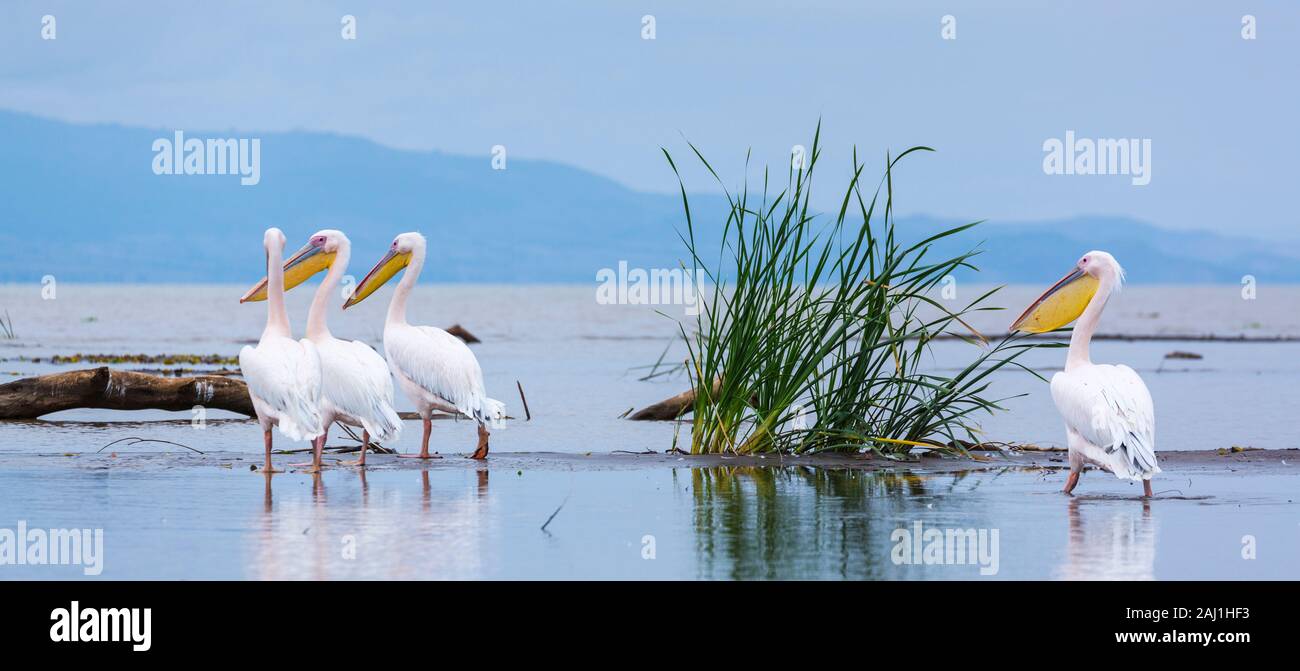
x=365, y=446
x=268, y=468
x=424, y=443
x=1146, y=487
x=1074, y=480
x=318, y=446
x=316, y=453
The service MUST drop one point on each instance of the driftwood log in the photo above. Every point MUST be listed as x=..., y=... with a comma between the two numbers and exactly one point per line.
x=672, y=408
x=669, y=408
x=460, y=332
x=109, y=389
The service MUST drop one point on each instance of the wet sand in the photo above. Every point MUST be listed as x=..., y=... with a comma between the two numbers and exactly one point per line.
x=1243, y=462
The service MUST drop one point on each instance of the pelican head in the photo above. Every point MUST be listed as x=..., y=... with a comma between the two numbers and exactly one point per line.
x=315, y=256
x=398, y=257
x=1067, y=299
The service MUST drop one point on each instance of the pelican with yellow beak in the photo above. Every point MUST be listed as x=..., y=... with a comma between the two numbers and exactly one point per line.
x=1109, y=416
x=356, y=388
x=283, y=374
x=436, y=370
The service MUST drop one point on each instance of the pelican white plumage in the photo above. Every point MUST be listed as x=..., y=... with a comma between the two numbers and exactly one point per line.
x=283, y=374
x=356, y=387
x=1109, y=416
x=435, y=369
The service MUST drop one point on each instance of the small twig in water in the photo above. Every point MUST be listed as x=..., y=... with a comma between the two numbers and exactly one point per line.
x=374, y=445
x=557, y=512
x=654, y=370
x=136, y=441
x=528, y=416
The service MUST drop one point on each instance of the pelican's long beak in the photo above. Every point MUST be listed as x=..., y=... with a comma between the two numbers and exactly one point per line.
x=1060, y=305
x=383, y=271
x=257, y=293
x=298, y=269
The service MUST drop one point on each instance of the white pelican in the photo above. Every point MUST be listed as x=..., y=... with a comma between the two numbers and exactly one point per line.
x=283, y=374
x=356, y=388
x=436, y=369
x=1109, y=417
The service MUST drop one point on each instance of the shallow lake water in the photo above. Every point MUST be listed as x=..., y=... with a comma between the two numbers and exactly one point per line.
x=578, y=363
x=525, y=517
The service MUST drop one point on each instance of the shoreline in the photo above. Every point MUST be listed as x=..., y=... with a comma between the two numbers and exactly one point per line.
x=1241, y=461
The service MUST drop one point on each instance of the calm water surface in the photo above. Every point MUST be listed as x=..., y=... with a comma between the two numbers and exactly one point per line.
x=182, y=520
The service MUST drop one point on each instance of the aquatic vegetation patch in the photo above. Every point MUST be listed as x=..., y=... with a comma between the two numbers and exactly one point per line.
x=814, y=336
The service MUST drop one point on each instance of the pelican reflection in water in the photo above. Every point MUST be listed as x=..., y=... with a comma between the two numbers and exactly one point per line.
x=371, y=527
x=1109, y=542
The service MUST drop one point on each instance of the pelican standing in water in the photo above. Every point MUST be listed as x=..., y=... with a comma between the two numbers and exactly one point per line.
x=1109, y=417
x=356, y=388
x=283, y=374
x=436, y=370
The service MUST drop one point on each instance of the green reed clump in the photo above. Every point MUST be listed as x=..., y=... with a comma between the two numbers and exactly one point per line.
x=813, y=338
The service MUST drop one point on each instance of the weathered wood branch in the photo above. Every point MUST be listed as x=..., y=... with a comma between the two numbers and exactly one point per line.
x=672, y=408
x=109, y=389
x=669, y=408
x=460, y=332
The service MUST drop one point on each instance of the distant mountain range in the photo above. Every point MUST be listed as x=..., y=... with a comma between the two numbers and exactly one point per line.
x=1038, y=252
x=83, y=203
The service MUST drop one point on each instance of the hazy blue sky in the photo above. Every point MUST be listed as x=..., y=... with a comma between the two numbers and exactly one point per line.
x=575, y=82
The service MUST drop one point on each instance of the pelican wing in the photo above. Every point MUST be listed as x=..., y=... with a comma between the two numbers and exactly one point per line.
x=1110, y=407
x=285, y=375
x=357, y=382
x=442, y=365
